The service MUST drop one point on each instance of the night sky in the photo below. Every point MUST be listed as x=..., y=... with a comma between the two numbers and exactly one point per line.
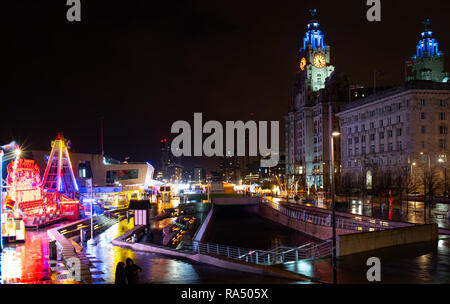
x=141, y=65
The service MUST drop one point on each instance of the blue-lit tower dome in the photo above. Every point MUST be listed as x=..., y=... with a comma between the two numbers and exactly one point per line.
x=428, y=60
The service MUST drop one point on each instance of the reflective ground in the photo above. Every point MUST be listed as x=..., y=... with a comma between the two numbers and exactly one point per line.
x=161, y=269
x=412, y=212
x=426, y=263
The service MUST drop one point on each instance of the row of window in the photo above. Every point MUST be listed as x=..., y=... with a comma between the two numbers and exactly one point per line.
x=381, y=135
x=381, y=149
x=441, y=116
x=372, y=125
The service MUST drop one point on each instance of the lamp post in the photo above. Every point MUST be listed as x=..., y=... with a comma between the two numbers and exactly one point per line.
x=333, y=208
x=441, y=160
x=425, y=188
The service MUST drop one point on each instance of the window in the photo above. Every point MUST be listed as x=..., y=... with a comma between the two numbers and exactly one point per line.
x=443, y=130
x=423, y=102
x=356, y=151
x=442, y=116
x=116, y=175
x=363, y=138
x=381, y=147
x=363, y=128
x=356, y=140
x=372, y=137
x=399, y=146
x=399, y=119
x=424, y=145
x=424, y=129
x=350, y=141
x=372, y=125
x=381, y=123
x=442, y=103
x=442, y=144
x=372, y=149
x=390, y=133
x=399, y=132
x=423, y=116
x=382, y=135
x=389, y=121
x=349, y=130
x=391, y=148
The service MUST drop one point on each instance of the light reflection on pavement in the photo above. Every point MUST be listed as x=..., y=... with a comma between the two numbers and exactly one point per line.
x=423, y=263
x=157, y=268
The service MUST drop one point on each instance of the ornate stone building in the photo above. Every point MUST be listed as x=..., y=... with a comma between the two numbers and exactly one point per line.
x=402, y=127
x=316, y=96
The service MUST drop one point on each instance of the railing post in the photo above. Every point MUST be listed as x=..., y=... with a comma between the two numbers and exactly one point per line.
x=268, y=258
x=228, y=251
x=207, y=248
x=239, y=252
x=296, y=255
x=217, y=249
x=257, y=257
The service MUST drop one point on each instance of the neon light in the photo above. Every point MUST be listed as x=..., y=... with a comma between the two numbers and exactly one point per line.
x=71, y=169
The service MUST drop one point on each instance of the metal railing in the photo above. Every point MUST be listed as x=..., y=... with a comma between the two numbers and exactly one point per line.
x=320, y=220
x=278, y=255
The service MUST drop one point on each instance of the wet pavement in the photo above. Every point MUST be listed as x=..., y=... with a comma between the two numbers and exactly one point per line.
x=413, y=212
x=159, y=269
x=28, y=262
x=422, y=263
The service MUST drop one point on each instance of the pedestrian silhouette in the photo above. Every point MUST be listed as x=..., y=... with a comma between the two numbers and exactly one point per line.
x=132, y=271
x=121, y=276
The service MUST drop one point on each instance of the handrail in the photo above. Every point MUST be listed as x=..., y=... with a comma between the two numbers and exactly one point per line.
x=277, y=255
x=306, y=217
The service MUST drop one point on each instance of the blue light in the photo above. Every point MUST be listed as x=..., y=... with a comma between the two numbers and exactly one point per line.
x=314, y=37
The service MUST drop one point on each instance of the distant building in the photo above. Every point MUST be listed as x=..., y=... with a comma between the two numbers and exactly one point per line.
x=199, y=175
x=175, y=173
x=101, y=170
x=167, y=158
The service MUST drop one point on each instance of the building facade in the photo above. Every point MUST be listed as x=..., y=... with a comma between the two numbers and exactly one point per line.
x=317, y=95
x=401, y=128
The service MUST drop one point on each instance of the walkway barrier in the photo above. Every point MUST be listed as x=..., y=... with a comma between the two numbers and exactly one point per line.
x=278, y=255
x=348, y=224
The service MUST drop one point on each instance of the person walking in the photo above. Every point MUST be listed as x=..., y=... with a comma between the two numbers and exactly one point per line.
x=132, y=271
x=121, y=276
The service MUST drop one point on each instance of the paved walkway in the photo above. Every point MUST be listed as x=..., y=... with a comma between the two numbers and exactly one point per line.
x=427, y=263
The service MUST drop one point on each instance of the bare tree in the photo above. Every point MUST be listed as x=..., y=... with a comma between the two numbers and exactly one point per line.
x=431, y=183
x=406, y=183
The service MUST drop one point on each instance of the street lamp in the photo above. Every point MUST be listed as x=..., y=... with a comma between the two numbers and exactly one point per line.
x=333, y=208
x=442, y=160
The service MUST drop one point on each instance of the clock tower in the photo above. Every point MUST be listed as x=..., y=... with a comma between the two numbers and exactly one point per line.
x=314, y=61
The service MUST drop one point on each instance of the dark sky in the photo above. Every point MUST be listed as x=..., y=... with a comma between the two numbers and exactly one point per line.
x=144, y=64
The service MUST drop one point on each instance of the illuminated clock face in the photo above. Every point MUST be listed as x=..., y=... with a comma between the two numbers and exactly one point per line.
x=319, y=61
x=303, y=64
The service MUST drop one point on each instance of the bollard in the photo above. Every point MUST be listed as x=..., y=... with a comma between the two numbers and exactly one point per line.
x=52, y=253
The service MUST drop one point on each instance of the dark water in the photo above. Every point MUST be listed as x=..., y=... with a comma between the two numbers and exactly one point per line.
x=241, y=226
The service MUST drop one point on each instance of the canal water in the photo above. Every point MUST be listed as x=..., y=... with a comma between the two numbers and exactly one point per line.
x=241, y=226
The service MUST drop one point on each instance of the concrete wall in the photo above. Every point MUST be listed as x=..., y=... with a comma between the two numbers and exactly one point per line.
x=201, y=231
x=319, y=232
x=366, y=241
x=237, y=201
